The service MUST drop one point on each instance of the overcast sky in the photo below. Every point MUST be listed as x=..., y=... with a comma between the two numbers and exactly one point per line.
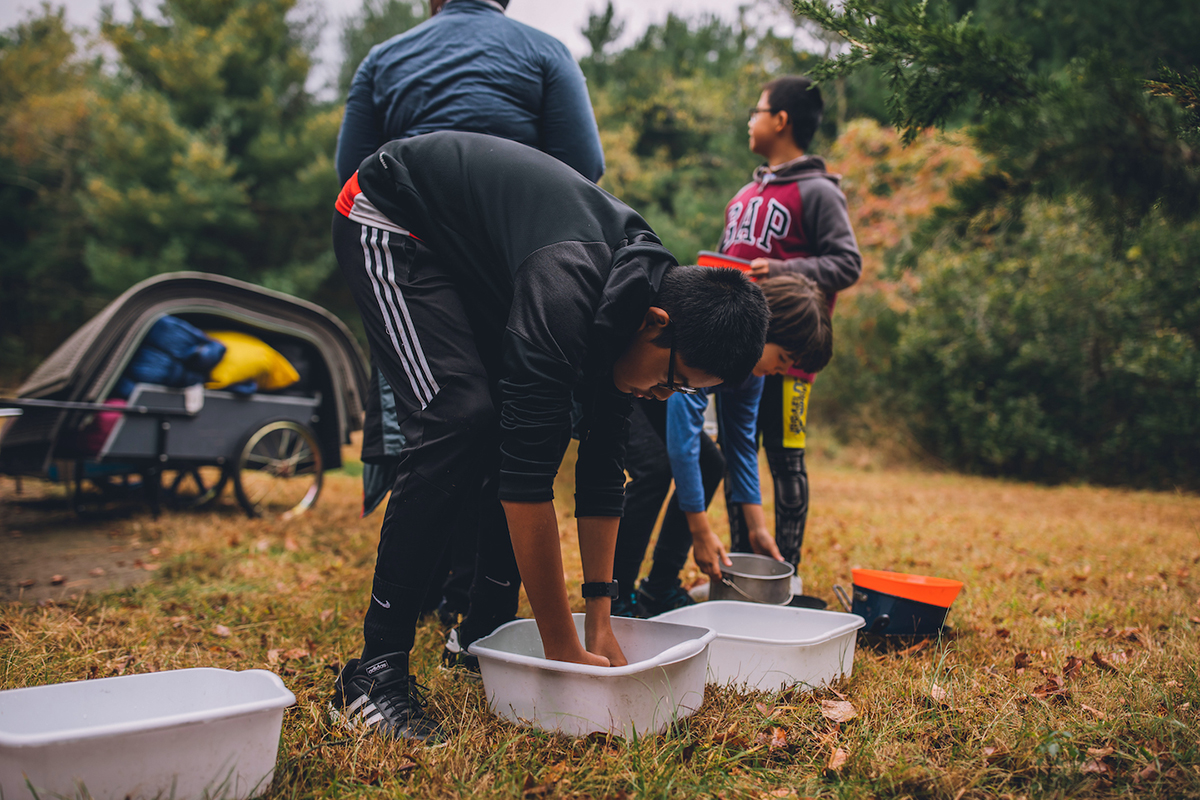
x=561, y=18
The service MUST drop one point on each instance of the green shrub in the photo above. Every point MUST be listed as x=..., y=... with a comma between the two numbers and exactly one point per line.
x=1041, y=351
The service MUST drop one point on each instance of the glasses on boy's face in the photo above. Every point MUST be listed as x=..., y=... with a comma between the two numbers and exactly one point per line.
x=671, y=385
x=756, y=110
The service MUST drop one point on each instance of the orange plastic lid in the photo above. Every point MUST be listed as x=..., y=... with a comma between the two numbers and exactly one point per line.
x=921, y=588
x=707, y=258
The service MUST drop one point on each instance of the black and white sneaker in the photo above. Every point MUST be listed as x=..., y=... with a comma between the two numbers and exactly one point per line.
x=380, y=695
x=456, y=659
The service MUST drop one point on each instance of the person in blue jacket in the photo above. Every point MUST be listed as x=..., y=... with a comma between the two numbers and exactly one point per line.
x=467, y=68
x=470, y=68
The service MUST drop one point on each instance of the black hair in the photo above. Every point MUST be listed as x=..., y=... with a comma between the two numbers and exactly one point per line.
x=800, y=321
x=802, y=101
x=718, y=320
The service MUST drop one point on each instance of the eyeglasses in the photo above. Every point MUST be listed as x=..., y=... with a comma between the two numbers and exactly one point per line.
x=754, y=111
x=671, y=385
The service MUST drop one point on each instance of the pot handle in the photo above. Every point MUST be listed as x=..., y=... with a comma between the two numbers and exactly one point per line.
x=842, y=598
x=738, y=589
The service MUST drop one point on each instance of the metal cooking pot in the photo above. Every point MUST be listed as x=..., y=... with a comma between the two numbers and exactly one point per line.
x=754, y=578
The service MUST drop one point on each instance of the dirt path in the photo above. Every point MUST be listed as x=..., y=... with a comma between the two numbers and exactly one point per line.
x=49, y=552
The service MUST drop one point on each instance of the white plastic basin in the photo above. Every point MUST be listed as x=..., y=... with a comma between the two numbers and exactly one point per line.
x=186, y=733
x=663, y=682
x=772, y=647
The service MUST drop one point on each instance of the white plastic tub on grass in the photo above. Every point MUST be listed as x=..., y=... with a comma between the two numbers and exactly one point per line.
x=773, y=647
x=663, y=682
x=189, y=733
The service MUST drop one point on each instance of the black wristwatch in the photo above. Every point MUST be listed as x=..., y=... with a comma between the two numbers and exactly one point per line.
x=600, y=589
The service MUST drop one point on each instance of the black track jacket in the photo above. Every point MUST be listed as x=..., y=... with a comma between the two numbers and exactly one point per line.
x=556, y=275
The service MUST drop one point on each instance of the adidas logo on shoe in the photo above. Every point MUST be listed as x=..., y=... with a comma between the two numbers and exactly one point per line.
x=380, y=696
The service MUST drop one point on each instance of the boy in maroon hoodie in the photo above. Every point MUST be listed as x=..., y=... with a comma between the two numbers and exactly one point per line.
x=791, y=218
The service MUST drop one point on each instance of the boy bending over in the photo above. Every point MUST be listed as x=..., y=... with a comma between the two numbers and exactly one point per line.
x=495, y=283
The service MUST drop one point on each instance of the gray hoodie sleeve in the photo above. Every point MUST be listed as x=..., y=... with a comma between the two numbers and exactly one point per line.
x=835, y=263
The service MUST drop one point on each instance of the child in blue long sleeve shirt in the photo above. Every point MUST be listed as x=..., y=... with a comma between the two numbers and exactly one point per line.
x=800, y=336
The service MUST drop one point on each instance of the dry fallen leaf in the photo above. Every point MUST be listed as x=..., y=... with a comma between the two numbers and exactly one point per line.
x=1002, y=633
x=939, y=695
x=96, y=572
x=25, y=584
x=58, y=580
x=916, y=648
x=1095, y=766
x=272, y=656
x=838, y=759
x=1052, y=689
x=994, y=754
x=326, y=615
x=778, y=738
x=728, y=736
x=1095, y=712
x=1073, y=667
x=1021, y=661
x=838, y=710
x=222, y=631
x=296, y=653
x=1100, y=752
x=1102, y=663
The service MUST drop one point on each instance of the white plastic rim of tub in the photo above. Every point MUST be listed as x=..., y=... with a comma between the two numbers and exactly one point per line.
x=672, y=655
x=276, y=696
x=747, y=614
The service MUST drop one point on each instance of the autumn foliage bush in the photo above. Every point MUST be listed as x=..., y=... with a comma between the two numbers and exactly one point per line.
x=1026, y=342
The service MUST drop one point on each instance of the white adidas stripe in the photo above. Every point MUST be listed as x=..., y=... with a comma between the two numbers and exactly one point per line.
x=408, y=323
x=391, y=301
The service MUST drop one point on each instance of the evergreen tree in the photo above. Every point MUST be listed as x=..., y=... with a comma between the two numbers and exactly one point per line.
x=1055, y=91
x=209, y=152
x=46, y=91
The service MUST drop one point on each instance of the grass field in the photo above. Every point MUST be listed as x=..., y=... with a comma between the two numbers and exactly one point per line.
x=1071, y=670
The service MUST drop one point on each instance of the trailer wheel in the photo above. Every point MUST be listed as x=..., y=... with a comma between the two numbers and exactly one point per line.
x=278, y=470
x=194, y=487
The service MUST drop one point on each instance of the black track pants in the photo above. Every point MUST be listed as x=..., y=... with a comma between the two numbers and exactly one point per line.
x=782, y=418
x=422, y=341
x=649, y=469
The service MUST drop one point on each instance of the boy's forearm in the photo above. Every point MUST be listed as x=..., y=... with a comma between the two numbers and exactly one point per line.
x=697, y=522
x=755, y=518
x=707, y=549
x=761, y=540
x=597, y=546
x=534, y=531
